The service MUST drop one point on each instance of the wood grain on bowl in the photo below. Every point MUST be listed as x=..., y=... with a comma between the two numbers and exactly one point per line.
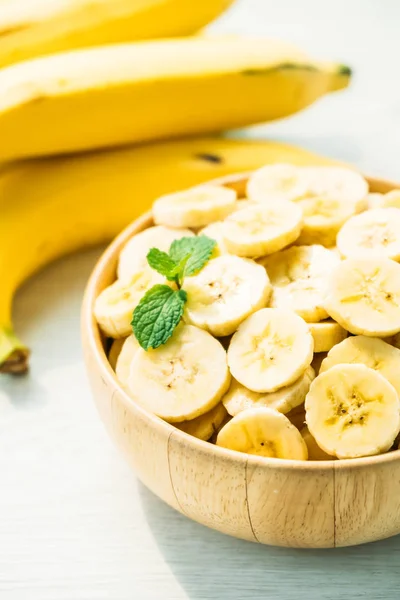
x=271, y=501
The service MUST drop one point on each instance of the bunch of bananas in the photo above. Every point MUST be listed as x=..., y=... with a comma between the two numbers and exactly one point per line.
x=79, y=83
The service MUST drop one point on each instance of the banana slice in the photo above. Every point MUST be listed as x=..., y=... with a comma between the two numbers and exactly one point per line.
x=391, y=199
x=239, y=398
x=114, y=307
x=352, y=411
x=263, y=432
x=338, y=183
x=371, y=234
x=371, y=352
x=278, y=182
x=334, y=195
x=270, y=350
x=323, y=218
x=326, y=334
x=335, y=251
x=363, y=296
x=226, y=291
x=314, y=451
x=244, y=203
x=214, y=231
x=195, y=207
x=125, y=359
x=262, y=229
x=206, y=425
x=133, y=256
x=115, y=349
x=316, y=363
x=375, y=200
x=183, y=379
x=299, y=277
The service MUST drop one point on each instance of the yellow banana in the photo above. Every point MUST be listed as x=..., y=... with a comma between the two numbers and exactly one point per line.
x=50, y=207
x=33, y=28
x=151, y=90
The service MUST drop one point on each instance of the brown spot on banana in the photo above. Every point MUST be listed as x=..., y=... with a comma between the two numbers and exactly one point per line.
x=211, y=158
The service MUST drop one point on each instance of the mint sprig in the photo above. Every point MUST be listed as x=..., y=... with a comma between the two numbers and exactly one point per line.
x=161, y=261
x=157, y=315
x=161, y=308
x=197, y=249
x=186, y=257
x=173, y=270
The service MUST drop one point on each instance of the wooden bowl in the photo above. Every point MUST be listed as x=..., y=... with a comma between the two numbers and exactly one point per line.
x=265, y=500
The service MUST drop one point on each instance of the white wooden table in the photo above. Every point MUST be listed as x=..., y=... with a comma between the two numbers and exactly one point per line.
x=74, y=522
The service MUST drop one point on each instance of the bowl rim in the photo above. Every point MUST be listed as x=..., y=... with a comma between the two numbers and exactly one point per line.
x=93, y=337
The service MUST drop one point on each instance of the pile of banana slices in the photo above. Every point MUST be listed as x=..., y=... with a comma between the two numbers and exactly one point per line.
x=289, y=342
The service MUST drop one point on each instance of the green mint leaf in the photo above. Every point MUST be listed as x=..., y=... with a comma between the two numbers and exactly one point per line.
x=181, y=248
x=200, y=249
x=160, y=261
x=183, y=295
x=177, y=273
x=157, y=315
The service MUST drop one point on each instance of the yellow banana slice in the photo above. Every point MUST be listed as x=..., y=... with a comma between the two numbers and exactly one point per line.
x=214, y=231
x=183, y=379
x=244, y=203
x=314, y=451
x=363, y=296
x=326, y=334
x=133, y=256
x=262, y=229
x=328, y=196
x=335, y=252
x=206, y=425
x=299, y=277
x=263, y=432
x=278, y=182
x=125, y=359
x=270, y=350
x=371, y=352
x=338, y=183
x=195, y=207
x=226, y=291
x=371, y=234
x=115, y=349
x=323, y=218
x=391, y=199
x=239, y=398
x=375, y=200
x=114, y=307
x=352, y=411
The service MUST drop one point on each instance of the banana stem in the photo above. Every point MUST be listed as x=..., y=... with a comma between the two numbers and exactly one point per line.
x=340, y=78
x=13, y=354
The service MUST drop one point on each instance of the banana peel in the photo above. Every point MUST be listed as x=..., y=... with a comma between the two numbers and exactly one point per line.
x=145, y=91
